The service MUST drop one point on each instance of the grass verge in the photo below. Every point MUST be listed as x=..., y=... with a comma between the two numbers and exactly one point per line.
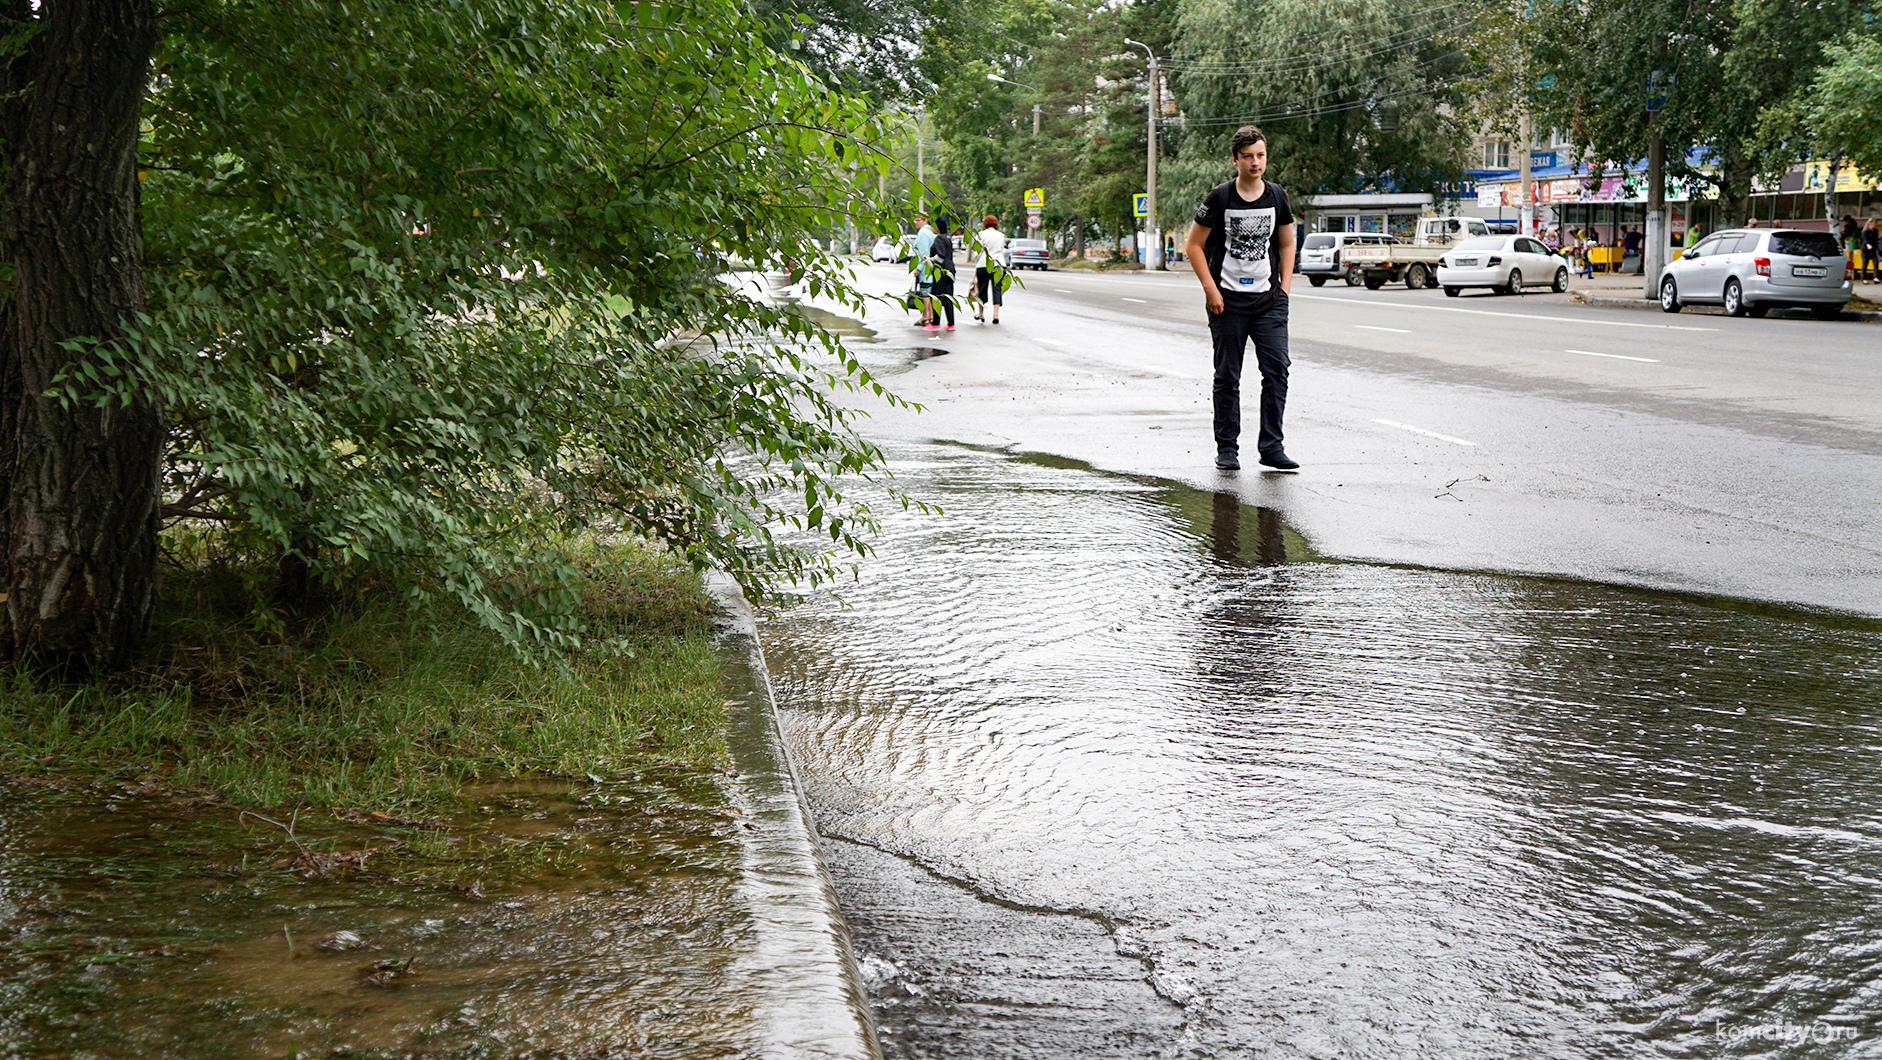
x=374, y=703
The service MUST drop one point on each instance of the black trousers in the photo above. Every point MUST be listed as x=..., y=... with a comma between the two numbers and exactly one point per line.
x=944, y=297
x=1231, y=332
x=983, y=280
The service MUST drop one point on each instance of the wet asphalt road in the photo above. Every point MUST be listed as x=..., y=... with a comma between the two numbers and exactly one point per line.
x=1124, y=757
x=1112, y=767
x=1690, y=452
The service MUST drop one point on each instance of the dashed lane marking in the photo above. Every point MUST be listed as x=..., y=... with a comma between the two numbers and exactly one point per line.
x=1427, y=434
x=1615, y=356
x=1369, y=327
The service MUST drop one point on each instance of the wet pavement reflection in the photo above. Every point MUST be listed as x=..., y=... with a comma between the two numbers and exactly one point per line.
x=1115, y=767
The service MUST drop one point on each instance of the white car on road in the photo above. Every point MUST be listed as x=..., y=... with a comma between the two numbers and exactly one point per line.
x=1505, y=264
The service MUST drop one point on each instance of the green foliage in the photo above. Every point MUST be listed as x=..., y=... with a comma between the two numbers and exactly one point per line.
x=1352, y=96
x=432, y=284
x=1720, y=70
x=1844, y=102
x=1070, y=54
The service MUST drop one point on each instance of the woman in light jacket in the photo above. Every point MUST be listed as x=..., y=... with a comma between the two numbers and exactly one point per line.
x=987, y=250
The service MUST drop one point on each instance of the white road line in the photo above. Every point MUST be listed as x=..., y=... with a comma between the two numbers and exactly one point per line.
x=1128, y=298
x=1427, y=434
x=1369, y=327
x=1492, y=313
x=1616, y=356
x=1062, y=290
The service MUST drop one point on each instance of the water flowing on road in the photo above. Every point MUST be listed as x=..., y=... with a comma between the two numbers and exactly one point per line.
x=1116, y=767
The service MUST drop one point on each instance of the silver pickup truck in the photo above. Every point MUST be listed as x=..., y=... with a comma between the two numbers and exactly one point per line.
x=1416, y=262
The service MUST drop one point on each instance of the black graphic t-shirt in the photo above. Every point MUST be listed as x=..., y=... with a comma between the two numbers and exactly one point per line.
x=1244, y=237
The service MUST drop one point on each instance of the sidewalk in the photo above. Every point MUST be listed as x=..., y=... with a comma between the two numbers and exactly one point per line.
x=1629, y=291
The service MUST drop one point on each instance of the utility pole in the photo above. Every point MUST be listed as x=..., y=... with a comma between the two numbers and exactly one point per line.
x=1654, y=252
x=1526, y=209
x=1153, y=242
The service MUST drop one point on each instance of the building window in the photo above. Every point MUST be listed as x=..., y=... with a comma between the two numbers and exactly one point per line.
x=1496, y=154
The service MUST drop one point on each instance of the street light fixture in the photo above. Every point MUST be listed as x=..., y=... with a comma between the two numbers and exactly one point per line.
x=1029, y=88
x=1153, y=249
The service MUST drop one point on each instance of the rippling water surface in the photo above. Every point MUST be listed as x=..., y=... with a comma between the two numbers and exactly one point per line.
x=1113, y=767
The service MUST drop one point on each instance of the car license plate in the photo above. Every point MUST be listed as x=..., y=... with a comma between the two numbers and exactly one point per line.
x=1806, y=270
x=1465, y=261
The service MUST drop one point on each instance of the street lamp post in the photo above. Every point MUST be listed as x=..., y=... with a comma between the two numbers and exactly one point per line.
x=1029, y=88
x=1153, y=243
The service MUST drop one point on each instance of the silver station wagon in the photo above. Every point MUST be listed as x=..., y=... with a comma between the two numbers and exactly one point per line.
x=1751, y=271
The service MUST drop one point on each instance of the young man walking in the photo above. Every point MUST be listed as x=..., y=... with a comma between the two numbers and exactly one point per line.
x=1242, y=250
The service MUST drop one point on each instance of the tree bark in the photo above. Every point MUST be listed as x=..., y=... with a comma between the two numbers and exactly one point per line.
x=78, y=531
x=1734, y=192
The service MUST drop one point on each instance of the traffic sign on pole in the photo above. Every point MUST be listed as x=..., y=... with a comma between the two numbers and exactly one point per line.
x=1140, y=204
x=1035, y=198
x=1032, y=220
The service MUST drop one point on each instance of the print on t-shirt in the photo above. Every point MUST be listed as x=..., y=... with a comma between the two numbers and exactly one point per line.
x=1245, y=267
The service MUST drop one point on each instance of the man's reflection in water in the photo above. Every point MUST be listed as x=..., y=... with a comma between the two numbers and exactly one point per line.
x=1225, y=533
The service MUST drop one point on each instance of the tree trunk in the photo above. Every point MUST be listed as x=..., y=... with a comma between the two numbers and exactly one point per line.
x=78, y=531
x=1734, y=192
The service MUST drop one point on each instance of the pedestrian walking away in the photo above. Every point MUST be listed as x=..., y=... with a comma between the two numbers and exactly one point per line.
x=941, y=256
x=1242, y=251
x=987, y=251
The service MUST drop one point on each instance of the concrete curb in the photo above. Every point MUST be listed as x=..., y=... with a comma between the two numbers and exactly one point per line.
x=802, y=966
x=1866, y=315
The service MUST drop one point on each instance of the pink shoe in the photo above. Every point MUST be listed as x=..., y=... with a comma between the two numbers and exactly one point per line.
x=950, y=327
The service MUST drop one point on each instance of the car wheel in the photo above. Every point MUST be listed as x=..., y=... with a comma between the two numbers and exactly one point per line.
x=1734, y=299
x=1374, y=281
x=1416, y=277
x=1826, y=312
x=1561, y=281
x=1452, y=292
x=1354, y=277
x=1317, y=281
x=1669, y=296
x=1756, y=310
x=1515, y=284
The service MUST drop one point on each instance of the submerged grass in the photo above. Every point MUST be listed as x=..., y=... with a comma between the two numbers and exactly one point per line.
x=374, y=702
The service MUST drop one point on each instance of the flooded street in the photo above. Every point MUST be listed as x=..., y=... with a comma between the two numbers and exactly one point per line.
x=144, y=925
x=1112, y=766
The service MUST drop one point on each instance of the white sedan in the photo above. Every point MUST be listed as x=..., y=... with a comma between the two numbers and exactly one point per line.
x=885, y=249
x=1505, y=264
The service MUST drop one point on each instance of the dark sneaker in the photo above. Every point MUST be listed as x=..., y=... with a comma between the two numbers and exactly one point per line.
x=1276, y=458
x=1227, y=462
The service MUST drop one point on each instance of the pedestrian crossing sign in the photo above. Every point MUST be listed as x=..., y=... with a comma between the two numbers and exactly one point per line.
x=1142, y=207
